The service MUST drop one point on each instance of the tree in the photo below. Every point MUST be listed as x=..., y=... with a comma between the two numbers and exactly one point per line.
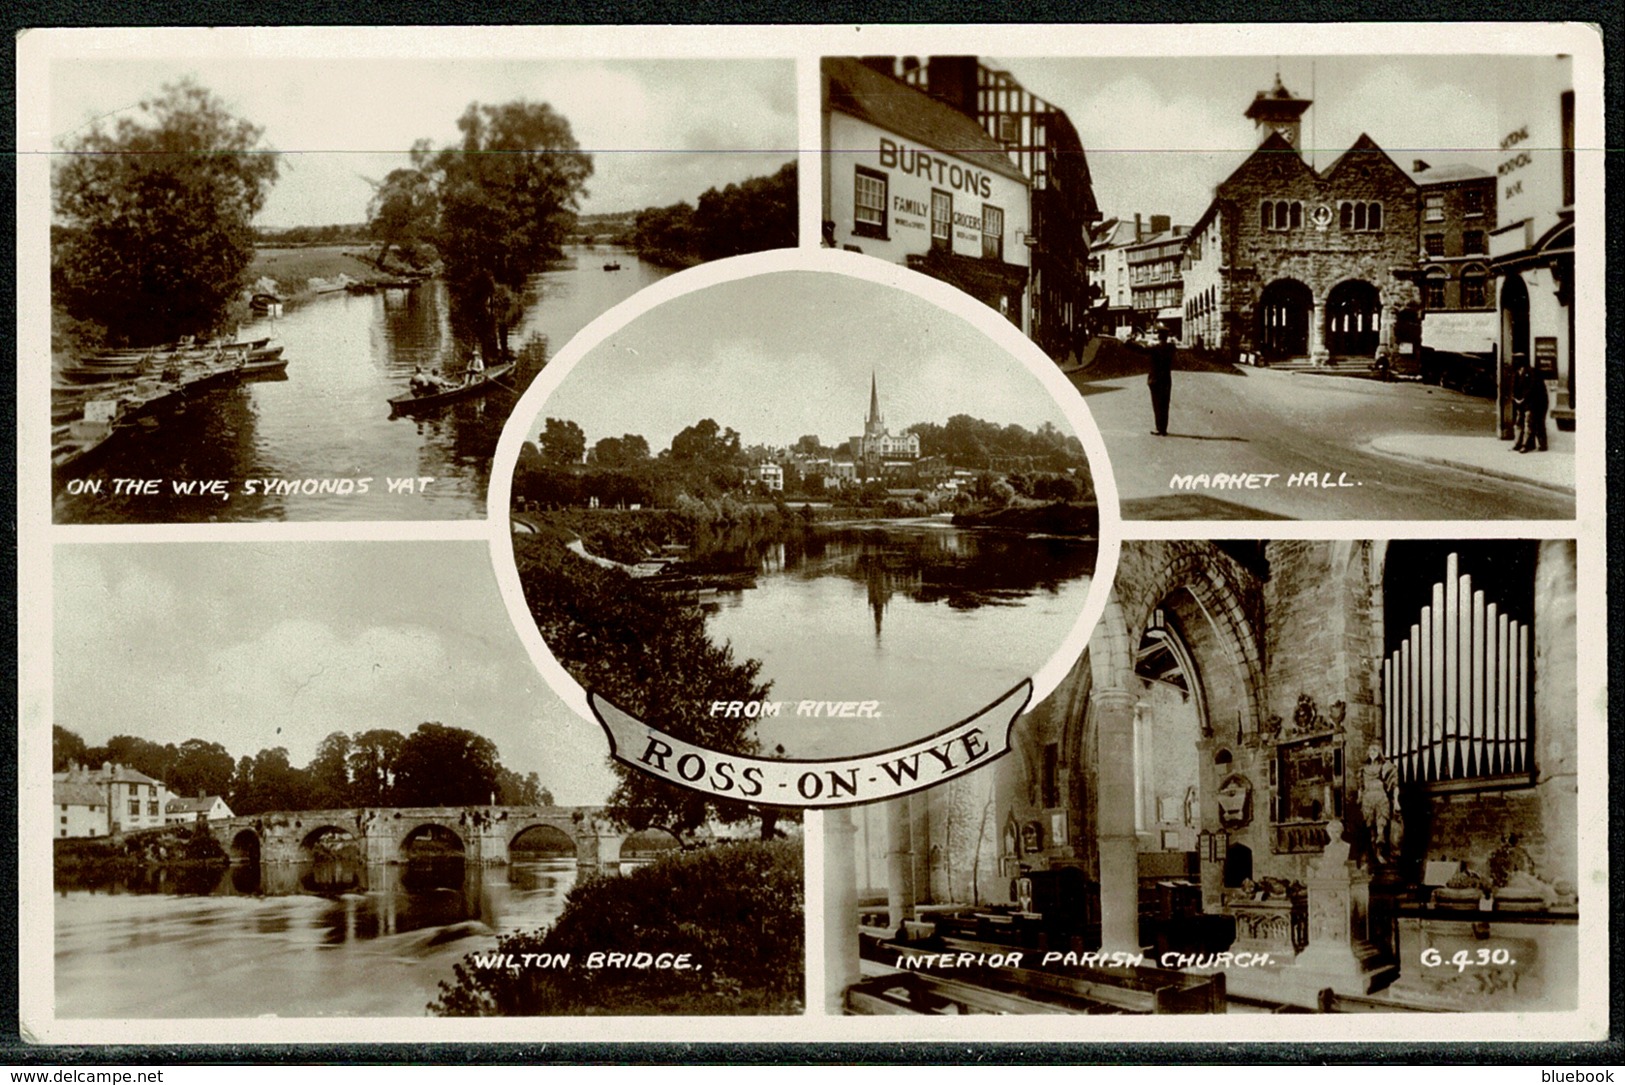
x=157, y=214
x=562, y=442
x=66, y=747
x=402, y=212
x=200, y=768
x=705, y=443
x=372, y=766
x=508, y=195
x=330, y=772
x=270, y=782
x=445, y=766
x=628, y=450
x=808, y=444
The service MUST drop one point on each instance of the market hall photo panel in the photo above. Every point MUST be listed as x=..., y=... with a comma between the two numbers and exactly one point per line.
x=1348, y=281
x=1285, y=776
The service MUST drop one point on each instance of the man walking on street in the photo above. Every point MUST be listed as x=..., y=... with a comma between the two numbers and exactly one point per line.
x=1161, y=380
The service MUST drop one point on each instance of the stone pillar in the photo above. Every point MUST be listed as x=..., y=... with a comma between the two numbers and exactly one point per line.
x=899, y=864
x=1318, y=354
x=1339, y=954
x=1114, y=820
x=840, y=908
x=920, y=820
x=1385, y=334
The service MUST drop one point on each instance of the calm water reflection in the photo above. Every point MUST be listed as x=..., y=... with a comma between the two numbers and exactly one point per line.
x=932, y=621
x=315, y=939
x=330, y=419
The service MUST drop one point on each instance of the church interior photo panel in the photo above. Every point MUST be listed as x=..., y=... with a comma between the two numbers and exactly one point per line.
x=1284, y=776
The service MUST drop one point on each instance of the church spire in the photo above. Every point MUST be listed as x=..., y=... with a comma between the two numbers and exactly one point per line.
x=874, y=399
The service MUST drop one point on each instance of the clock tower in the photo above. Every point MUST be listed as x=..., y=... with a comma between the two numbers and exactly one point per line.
x=1276, y=110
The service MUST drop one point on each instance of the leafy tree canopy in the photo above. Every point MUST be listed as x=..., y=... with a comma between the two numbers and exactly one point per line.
x=157, y=213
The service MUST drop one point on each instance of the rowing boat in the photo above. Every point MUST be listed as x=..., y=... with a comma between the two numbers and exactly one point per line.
x=477, y=385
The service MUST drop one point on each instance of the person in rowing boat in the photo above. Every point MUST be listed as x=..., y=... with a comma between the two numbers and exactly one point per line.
x=428, y=384
x=475, y=370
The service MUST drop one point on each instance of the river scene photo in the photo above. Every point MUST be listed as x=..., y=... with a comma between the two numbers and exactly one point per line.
x=348, y=354
x=933, y=621
x=314, y=939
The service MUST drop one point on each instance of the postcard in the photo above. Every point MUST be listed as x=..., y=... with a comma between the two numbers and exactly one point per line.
x=811, y=534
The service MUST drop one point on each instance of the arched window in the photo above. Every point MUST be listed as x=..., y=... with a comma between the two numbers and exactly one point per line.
x=1374, y=217
x=1297, y=214
x=1266, y=215
x=1475, y=287
x=1433, y=288
x=1345, y=216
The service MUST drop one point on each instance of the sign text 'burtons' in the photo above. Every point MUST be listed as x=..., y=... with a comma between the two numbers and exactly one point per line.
x=941, y=171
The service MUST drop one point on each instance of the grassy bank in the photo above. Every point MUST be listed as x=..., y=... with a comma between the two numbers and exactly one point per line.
x=178, y=846
x=294, y=268
x=1054, y=518
x=734, y=909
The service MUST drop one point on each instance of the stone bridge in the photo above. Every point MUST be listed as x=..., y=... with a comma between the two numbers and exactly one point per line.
x=484, y=834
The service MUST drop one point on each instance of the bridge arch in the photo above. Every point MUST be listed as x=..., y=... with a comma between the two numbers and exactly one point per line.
x=327, y=834
x=543, y=840
x=432, y=840
x=244, y=847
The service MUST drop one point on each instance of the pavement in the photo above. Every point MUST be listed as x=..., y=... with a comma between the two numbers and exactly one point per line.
x=1258, y=444
x=1490, y=457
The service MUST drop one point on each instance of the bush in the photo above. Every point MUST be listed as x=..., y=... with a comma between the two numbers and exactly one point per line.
x=737, y=908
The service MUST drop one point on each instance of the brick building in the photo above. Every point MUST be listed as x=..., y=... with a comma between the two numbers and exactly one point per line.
x=1316, y=750
x=1156, y=285
x=1453, y=272
x=1291, y=262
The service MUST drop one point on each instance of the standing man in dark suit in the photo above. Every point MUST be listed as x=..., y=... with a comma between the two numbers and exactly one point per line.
x=1161, y=379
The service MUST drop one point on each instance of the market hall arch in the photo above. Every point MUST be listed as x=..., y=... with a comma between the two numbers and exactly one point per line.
x=1353, y=319
x=1285, y=310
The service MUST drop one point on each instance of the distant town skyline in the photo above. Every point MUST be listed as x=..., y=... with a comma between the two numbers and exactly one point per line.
x=1161, y=132
x=256, y=646
x=785, y=354
x=659, y=131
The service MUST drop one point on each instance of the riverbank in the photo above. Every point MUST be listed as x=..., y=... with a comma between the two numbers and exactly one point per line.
x=83, y=859
x=1070, y=518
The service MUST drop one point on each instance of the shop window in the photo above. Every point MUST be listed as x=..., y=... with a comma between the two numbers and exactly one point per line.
x=1433, y=291
x=1472, y=242
x=869, y=188
x=1433, y=244
x=992, y=232
x=942, y=219
x=1475, y=289
x=1433, y=207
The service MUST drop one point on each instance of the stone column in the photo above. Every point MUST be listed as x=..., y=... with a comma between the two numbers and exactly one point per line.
x=899, y=864
x=1385, y=334
x=1318, y=354
x=840, y=908
x=1114, y=820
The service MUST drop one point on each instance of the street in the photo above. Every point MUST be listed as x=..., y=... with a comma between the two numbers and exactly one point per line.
x=1300, y=428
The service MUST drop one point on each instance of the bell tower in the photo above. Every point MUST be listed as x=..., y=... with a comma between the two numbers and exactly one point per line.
x=1276, y=110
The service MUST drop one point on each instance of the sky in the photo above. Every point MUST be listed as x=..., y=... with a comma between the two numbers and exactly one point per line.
x=659, y=131
x=256, y=645
x=780, y=355
x=1161, y=132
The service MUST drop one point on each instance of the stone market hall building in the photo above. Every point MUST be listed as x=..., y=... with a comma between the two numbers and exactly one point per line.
x=1288, y=262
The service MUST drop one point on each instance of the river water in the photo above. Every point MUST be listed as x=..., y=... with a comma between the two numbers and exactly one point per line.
x=306, y=940
x=330, y=419
x=932, y=621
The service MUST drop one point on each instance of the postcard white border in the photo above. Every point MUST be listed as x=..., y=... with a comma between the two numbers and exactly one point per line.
x=37, y=49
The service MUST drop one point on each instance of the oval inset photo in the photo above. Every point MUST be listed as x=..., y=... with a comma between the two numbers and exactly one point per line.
x=813, y=513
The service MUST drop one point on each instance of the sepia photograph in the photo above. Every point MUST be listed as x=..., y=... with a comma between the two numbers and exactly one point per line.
x=1322, y=288
x=361, y=800
x=1286, y=776
x=307, y=289
x=804, y=515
